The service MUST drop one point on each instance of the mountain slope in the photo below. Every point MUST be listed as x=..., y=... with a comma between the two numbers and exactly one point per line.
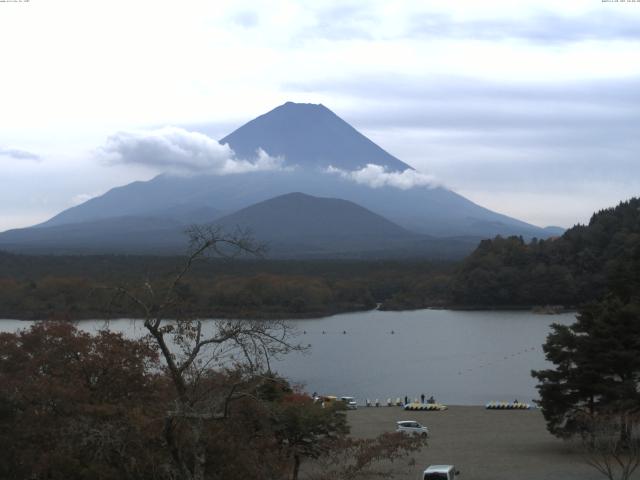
x=294, y=225
x=297, y=225
x=310, y=136
x=300, y=221
x=431, y=211
x=133, y=234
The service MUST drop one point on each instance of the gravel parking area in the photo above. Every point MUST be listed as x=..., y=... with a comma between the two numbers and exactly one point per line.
x=482, y=444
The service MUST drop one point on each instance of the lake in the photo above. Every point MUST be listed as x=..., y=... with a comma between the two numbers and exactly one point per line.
x=459, y=357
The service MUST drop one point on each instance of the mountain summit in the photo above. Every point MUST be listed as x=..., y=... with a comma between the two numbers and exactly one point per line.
x=300, y=215
x=309, y=135
x=150, y=215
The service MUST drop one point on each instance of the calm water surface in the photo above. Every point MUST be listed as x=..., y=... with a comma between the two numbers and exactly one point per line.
x=462, y=358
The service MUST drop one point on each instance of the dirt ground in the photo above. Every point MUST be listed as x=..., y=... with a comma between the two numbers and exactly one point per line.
x=482, y=444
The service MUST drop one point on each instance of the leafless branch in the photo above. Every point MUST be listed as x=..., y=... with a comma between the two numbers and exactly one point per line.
x=184, y=341
x=611, y=443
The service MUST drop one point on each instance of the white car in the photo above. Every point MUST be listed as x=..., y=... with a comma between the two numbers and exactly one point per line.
x=440, y=472
x=412, y=427
x=350, y=402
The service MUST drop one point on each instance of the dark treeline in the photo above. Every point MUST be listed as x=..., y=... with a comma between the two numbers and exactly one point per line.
x=585, y=263
x=581, y=265
x=72, y=287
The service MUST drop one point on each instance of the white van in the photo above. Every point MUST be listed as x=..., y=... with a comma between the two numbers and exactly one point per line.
x=350, y=402
x=440, y=472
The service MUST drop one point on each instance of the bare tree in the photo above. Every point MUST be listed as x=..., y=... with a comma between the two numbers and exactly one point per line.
x=193, y=351
x=382, y=457
x=610, y=443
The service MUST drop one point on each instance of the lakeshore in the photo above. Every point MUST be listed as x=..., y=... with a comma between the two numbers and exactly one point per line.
x=482, y=444
x=460, y=357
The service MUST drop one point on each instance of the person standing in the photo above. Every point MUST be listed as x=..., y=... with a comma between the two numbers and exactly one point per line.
x=422, y=398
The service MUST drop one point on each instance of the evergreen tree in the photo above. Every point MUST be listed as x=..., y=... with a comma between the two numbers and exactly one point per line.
x=597, y=367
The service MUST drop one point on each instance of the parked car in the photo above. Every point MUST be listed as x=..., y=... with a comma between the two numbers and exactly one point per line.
x=412, y=427
x=350, y=402
x=440, y=472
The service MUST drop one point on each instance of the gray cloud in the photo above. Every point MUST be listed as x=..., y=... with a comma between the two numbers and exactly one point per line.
x=246, y=19
x=355, y=21
x=444, y=88
x=177, y=150
x=346, y=21
x=517, y=139
x=18, y=154
x=547, y=27
x=529, y=111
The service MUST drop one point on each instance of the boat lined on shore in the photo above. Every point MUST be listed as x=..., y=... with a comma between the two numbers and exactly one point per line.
x=437, y=407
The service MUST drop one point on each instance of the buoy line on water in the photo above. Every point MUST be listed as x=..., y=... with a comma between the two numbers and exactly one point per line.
x=340, y=332
x=493, y=405
x=507, y=356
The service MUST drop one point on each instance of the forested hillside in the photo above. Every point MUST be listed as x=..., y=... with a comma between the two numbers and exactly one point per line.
x=579, y=266
x=71, y=287
x=582, y=265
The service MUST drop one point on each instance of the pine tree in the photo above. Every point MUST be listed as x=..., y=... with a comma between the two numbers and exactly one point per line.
x=597, y=367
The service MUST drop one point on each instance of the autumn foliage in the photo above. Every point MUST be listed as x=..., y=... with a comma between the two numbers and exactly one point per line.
x=78, y=406
x=75, y=405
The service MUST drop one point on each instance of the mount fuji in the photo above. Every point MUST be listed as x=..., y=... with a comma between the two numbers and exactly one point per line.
x=318, y=155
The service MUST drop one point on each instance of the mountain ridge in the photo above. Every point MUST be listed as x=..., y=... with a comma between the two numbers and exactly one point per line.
x=307, y=135
x=294, y=225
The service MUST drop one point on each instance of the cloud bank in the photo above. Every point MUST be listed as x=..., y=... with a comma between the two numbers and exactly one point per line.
x=376, y=176
x=544, y=27
x=18, y=154
x=177, y=150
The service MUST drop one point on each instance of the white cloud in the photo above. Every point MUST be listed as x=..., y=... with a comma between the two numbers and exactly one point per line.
x=176, y=150
x=377, y=176
x=263, y=162
x=81, y=198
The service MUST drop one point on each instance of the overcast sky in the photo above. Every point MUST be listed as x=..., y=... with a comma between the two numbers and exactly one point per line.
x=530, y=108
